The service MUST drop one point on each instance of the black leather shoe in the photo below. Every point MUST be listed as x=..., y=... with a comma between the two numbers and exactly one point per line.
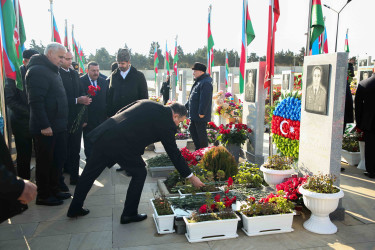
x=372, y=176
x=135, y=218
x=64, y=188
x=50, y=201
x=63, y=196
x=81, y=212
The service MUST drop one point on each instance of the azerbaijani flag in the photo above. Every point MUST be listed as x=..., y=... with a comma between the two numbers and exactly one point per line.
x=274, y=13
x=317, y=21
x=346, y=42
x=166, y=58
x=226, y=68
x=156, y=61
x=175, y=60
x=324, y=45
x=210, y=43
x=66, y=36
x=12, y=40
x=77, y=53
x=56, y=35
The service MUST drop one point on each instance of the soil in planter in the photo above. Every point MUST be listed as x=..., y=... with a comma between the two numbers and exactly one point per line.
x=189, y=189
x=159, y=161
x=212, y=216
x=162, y=206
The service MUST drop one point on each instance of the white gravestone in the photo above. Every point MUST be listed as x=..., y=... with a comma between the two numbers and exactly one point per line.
x=253, y=98
x=158, y=84
x=364, y=72
x=182, y=86
x=287, y=80
x=218, y=78
x=173, y=86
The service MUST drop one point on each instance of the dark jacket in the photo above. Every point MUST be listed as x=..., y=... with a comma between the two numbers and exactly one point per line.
x=96, y=111
x=46, y=95
x=165, y=87
x=348, y=115
x=73, y=90
x=135, y=127
x=11, y=187
x=365, y=104
x=200, y=99
x=122, y=91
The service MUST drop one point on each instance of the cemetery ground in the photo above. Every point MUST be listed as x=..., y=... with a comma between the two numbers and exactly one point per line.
x=42, y=227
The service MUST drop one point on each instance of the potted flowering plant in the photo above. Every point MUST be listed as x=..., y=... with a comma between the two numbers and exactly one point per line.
x=277, y=168
x=321, y=197
x=212, y=132
x=226, y=106
x=214, y=220
x=163, y=214
x=273, y=214
x=291, y=189
x=350, y=146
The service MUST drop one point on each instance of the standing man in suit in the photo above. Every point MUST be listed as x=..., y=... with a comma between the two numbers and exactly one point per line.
x=19, y=113
x=165, y=90
x=122, y=139
x=200, y=105
x=126, y=85
x=48, y=121
x=96, y=111
x=76, y=98
x=365, y=119
x=316, y=94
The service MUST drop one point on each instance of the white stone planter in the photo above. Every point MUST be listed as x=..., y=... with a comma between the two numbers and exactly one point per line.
x=267, y=224
x=274, y=177
x=211, y=230
x=159, y=148
x=362, y=163
x=352, y=158
x=164, y=223
x=320, y=205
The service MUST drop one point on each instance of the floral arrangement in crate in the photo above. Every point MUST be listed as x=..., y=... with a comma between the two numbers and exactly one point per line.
x=291, y=188
x=272, y=204
x=212, y=132
x=351, y=139
x=297, y=81
x=285, y=124
x=181, y=136
x=234, y=133
x=226, y=106
x=192, y=158
x=155, y=98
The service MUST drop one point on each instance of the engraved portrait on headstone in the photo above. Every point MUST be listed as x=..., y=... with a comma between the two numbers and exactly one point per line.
x=285, y=82
x=180, y=82
x=250, y=86
x=363, y=75
x=363, y=62
x=317, y=89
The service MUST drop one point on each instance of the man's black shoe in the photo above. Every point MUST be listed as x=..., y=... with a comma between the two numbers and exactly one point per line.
x=64, y=188
x=63, y=196
x=50, y=201
x=135, y=218
x=81, y=212
x=372, y=176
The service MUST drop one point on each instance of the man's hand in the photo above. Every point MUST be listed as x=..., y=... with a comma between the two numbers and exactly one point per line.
x=84, y=124
x=85, y=100
x=201, y=116
x=196, y=182
x=47, y=131
x=28, y=193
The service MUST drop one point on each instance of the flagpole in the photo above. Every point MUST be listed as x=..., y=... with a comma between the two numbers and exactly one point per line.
x=73, y=47
x=270, y=145
x=307, y=52
x=51, y=10
x=17, y=16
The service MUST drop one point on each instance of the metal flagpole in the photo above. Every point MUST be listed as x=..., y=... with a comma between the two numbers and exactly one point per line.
x=51, y=10
x=307, y=52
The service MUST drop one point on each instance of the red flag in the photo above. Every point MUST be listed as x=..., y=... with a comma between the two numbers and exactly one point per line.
x=270, y=62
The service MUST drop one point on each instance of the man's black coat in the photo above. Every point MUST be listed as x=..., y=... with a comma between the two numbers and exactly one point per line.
x=46, y=96
x=136, y=126
x=365, y=104
x=73, y=90
x=96, y=111
x=122, y=91
x=165, y=89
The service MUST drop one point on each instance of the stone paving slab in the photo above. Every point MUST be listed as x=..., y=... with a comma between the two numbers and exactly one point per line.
x=57, y=242
x=93, y=240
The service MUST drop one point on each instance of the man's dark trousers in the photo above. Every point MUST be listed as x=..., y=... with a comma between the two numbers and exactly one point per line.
x=199, y=134
x=50, y=158
x=369, y=152
x=24, y=144
x=96, y=163
x=73, y=157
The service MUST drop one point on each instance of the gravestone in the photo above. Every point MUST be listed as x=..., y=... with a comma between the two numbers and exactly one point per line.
x=287, y=80
x=218, y=78
x=364, y=72
x=253, y=98
x=158, y=84
x=322, y=123
x=182, y=86
x=173, y=86
x=364, y=61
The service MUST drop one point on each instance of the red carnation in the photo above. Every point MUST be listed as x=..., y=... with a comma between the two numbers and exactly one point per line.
x=203, y=209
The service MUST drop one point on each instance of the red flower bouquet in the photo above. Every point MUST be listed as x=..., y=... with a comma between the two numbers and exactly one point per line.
x=290, y=188
x=234, y=133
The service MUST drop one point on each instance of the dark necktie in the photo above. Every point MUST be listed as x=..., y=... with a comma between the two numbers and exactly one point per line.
x=93, y=83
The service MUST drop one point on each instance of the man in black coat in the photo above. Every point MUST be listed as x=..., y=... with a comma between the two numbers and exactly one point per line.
x=126, y=84
x=19, y=114
x=165, y=90
x=15, y=193
x=348, y=115
x=48, y=121
x=199, y=105
x=122, y=139
x=365, y=119
x=96, y=111
x=76, y=99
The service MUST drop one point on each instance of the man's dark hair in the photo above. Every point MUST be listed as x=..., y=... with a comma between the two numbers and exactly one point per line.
x=114, y=66
x=179, y=109
x=92, y=64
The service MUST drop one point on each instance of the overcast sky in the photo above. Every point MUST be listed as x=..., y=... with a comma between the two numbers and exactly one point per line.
x=137, y=23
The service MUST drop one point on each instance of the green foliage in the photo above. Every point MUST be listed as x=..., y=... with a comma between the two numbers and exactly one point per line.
x=277, y=162
x=162, y=206
x=40, y=48
x=175, y=179
x=103, y=57
x=218, y=158
x=350, y=142
x=159, y=161
x=249, y=175
x=321, y=184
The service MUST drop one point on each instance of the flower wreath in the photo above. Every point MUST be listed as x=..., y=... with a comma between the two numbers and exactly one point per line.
x=285, y=124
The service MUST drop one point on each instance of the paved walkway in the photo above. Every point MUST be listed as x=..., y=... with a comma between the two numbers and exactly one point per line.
x=42, y=227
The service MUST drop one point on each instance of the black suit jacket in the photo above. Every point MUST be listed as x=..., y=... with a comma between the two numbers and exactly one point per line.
x=96, y=111
x=365, y=105
x=135, y=127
